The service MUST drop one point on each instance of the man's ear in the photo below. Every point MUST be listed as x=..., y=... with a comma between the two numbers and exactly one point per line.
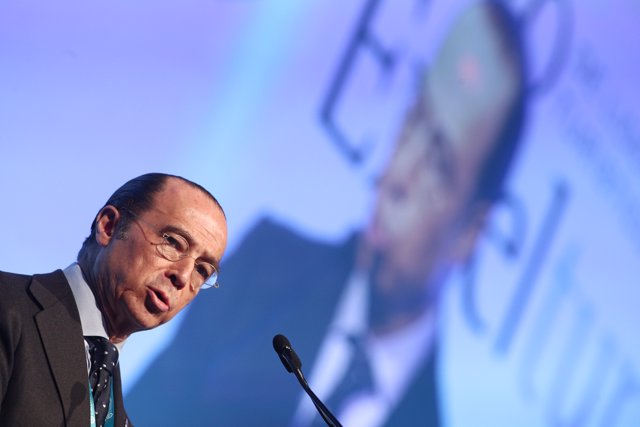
x=470, y=231
x=106, y=222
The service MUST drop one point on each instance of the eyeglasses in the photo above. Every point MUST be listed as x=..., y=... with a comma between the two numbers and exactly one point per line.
x=174, y=248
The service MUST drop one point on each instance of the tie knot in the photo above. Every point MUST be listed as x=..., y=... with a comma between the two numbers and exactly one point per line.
x=103, y=354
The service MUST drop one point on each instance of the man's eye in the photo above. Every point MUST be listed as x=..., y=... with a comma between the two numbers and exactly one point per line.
x=204, y=270
x=175, y=242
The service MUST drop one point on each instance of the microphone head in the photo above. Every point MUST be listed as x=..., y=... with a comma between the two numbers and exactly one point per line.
x=280, y=342
x=288, y=357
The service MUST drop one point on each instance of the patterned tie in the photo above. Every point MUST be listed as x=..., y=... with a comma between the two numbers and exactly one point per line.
x=104, y=357
x=358, y=379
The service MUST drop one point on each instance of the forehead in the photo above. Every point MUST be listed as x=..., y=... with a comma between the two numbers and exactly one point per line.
x=179, y=204
x=472, y=81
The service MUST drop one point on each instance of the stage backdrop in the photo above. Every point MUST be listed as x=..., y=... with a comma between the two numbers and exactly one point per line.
x=290, y=110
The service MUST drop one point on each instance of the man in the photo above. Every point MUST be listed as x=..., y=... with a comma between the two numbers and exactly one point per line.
x=362, y=313
x=157, y=241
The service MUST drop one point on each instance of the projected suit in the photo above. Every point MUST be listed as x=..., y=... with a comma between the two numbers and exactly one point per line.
x=43, y=369
x=222, y=368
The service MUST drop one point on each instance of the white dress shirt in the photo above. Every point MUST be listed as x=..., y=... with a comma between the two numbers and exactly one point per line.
x=90, y=316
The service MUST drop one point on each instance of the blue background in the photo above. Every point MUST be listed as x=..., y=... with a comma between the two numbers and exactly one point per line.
x=228, y=93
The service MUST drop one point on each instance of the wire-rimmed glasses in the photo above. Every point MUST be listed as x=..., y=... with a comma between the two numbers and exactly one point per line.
x=174, y=248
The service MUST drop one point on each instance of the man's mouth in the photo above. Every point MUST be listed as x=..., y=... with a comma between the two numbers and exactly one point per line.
x=159, y=300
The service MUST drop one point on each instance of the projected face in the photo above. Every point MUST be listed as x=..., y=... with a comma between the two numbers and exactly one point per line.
x=423, y=222
x=140, y=288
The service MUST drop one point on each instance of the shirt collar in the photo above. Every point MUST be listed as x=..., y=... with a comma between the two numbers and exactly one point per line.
x=90, y=316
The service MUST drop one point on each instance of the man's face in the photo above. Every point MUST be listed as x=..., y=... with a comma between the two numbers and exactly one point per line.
x=140, y=288
x=422, y=209
x=423, y=221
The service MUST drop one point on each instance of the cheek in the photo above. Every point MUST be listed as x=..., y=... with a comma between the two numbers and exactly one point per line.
x=422, y=242
x=127, y=256
x=413, y=225
x=134, y=277
x=398, y=218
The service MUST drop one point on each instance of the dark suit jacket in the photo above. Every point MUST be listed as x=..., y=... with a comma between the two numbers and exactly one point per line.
x=43, y=368
x=221, y=368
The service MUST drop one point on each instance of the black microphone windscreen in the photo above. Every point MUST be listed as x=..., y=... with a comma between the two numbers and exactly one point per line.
x=289, y=358
x=280, y=342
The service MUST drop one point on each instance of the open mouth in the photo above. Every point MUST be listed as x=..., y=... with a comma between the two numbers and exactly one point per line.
x=159, y=300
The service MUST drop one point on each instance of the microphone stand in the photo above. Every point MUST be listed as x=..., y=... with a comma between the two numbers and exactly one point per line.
x=292, y=363
x=324, y=412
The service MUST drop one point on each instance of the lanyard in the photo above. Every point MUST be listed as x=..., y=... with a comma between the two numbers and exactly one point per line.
x=109, y=421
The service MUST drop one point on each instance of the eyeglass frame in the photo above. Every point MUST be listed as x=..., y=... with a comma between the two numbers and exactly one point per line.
x=181, y=254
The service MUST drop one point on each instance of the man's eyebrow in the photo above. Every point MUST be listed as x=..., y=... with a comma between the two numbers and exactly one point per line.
x=184, y=233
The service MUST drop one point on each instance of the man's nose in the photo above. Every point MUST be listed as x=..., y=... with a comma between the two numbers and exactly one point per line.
x=180, y=272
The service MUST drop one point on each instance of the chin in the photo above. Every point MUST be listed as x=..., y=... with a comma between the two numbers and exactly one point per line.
x=146, y=324
x=141, y=318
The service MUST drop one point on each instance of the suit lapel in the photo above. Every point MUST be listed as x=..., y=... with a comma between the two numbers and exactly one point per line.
x=61, y=334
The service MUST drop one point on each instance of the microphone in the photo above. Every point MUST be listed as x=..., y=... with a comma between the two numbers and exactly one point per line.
x=289, y=358
x=292, y=363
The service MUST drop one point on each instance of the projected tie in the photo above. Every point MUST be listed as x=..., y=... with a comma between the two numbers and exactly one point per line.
x=104, y=357
x=358, y=379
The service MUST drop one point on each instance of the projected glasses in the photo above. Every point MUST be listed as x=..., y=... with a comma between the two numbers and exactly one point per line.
x=174, y=248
